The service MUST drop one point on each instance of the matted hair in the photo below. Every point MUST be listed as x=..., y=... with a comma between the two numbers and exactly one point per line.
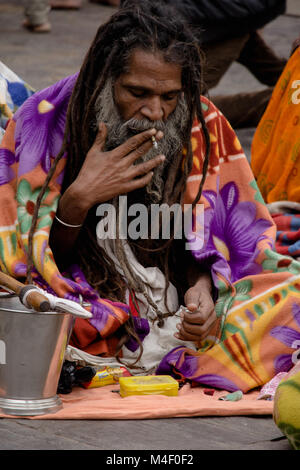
x=152, y=27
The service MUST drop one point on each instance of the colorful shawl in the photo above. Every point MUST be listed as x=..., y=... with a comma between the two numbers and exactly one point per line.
x=286, y=215
x=26, y=156
x=275, y=156
x=258, y=290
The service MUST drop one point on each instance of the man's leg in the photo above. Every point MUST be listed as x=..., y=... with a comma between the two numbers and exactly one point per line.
x=219, y=57
x=243, y=109
x=261, y=60
x=36, y=11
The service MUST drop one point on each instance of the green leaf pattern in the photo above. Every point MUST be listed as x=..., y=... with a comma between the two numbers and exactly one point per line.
x=26, y=200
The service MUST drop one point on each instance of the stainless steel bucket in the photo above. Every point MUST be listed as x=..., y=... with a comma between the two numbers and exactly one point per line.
x=32, y=348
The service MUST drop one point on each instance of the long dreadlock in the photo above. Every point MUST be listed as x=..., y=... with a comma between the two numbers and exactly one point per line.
x=152, y=27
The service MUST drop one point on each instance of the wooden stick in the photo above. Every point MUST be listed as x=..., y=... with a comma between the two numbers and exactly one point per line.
x=35, y=299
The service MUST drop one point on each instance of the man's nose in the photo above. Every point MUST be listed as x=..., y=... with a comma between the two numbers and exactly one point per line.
x=153, y=110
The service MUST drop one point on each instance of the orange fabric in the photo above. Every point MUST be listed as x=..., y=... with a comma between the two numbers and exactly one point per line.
x=275, y=155
x=87, y=338
x=101, y=403
x=32, y=138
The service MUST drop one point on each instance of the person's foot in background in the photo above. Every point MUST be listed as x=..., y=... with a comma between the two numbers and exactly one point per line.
x=36, y=13
x=37, y=28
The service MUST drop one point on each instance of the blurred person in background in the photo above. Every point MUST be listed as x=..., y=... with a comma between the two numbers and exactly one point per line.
x=229, y=31
x=36, y=16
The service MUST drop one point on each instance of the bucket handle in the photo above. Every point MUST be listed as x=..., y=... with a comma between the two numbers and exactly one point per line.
x=34, y=298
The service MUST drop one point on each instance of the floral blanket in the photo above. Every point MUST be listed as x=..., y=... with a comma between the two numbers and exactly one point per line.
x=258, y=290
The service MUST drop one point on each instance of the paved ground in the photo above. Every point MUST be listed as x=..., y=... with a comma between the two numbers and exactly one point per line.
x=41, y=60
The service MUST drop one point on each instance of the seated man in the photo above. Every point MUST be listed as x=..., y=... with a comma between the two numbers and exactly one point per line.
x=132, y=126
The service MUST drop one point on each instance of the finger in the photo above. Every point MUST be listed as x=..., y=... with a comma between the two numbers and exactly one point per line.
x=189, y=328
x=186, y=337
x=200, y=329
x=142, y=149
x=197, y=330
x=195, y=334
x=143, y=168
x=101, y=136
x=199, y=317
x=138, y=152
x=137, y=183
x=195, y=318
x=208, y=327
x=192, y=299
x=136, y=141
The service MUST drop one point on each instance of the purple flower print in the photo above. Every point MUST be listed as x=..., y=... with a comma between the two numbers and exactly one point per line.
x=216, y=381
x=169, y=365
x=231, y=234
x=45, y=112
x=290, y=337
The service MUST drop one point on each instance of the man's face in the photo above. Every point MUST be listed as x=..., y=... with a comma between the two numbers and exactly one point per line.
x=149, y=89
x=149, y=94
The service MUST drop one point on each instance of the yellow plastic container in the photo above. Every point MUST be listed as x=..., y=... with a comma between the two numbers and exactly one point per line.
x=148, y=385
x=106, y=376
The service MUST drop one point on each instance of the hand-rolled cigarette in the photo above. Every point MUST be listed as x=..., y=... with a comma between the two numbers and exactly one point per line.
x=154, y=142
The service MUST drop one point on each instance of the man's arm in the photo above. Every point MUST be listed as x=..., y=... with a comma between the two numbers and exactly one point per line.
x=72, y=211
x=103, y=176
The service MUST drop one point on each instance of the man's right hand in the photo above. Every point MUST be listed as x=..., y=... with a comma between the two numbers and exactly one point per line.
x=106, y=174
x=103, y=176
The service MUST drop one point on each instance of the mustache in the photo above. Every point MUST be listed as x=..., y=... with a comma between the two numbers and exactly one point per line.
x=140, y=125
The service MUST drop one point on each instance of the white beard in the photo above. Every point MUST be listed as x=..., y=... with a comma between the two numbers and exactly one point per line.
x=119, y=131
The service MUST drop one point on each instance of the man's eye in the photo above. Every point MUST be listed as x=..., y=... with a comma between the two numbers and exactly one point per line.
x=137, y=93
x=170, y=97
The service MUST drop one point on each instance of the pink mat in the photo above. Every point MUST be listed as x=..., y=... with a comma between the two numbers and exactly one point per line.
x=102, y=403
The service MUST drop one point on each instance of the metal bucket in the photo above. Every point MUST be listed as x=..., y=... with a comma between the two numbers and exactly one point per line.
x=32, y=348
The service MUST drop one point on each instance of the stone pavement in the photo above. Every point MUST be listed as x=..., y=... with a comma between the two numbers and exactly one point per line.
x=41, y=60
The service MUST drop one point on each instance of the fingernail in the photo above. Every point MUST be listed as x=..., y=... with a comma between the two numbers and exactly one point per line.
x=153, y=131
x=191, y=306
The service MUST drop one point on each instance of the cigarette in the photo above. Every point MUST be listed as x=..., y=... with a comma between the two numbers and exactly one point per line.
x=184, y=309
x=154, y=142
